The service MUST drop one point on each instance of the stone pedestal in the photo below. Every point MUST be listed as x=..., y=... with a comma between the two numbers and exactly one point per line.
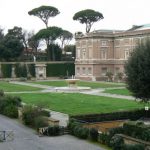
x=40, y=71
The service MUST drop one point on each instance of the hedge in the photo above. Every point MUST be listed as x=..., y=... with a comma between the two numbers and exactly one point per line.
x=132, y=115
x=6, y=70
x=60, y=69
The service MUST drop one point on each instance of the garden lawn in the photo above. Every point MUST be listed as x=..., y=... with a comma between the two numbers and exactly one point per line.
x=124, y=91
x=9, y=87
x=75, y=103
x=91, y=84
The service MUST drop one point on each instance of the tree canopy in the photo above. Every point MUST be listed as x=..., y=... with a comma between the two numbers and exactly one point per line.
x=10, y=48
x=50, y=34
x=44, y=13
x=88, y=17
x=137, y=70
x=65, y=36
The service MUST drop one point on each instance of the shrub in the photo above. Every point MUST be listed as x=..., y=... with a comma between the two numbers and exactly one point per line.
x=72, y=124
x=8, y=105
x=93, y=134
x=40, y=122
x=29, y=113
x=116, y=142
x=81, y=132
x=146, y=135
x=11, y=111
x=104, y=138
x=116, y=130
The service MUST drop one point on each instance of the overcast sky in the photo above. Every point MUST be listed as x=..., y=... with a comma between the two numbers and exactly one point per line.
x=118, y=14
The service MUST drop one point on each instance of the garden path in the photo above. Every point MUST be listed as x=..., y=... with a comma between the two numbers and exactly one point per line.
x=27, y=139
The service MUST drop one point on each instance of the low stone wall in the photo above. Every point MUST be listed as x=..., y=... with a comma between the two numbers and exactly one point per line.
x=131, y=140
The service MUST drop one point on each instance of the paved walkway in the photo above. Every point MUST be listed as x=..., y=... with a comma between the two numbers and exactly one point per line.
x=27, y=139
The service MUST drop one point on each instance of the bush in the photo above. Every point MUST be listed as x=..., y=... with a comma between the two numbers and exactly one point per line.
x=72, y=124
x=93, y=134
x=8, y=105
x=133, y=147
x=29, y=113
x=11, y=111
x=81, y=132
x=40, y=122
x=116, y=130
x=116, y=142
x=146, y=135
x=104, y=138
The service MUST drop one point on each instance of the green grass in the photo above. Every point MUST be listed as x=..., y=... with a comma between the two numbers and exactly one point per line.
x=75, y=103
x=9, y=87
x=81, y=83
x=125, y=91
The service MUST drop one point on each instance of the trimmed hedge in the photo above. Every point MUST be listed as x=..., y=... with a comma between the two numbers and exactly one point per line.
x=6, y=70
x=20, y=70
x=60, y=69
x=132, y=115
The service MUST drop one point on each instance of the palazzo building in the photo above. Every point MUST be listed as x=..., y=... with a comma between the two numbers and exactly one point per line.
x=105, y=51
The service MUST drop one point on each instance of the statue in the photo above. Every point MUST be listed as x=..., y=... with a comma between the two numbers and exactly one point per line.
x=34, y=58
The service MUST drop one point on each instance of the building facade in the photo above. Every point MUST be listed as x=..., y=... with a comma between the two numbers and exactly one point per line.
x=105, y=51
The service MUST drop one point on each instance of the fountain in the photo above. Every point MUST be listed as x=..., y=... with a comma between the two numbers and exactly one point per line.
x=72, y=82
x=72, y=86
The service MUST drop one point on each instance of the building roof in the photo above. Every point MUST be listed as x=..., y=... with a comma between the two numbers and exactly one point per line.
x=139, y=27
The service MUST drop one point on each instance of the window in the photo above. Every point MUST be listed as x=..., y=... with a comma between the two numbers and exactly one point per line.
x=83, y=70
x=89, y=70
x=103, y=54
x=103, y=43
x=103, y=71
x=83, y=54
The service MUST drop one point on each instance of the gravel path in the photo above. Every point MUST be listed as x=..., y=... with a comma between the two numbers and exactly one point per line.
x=26, y=139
